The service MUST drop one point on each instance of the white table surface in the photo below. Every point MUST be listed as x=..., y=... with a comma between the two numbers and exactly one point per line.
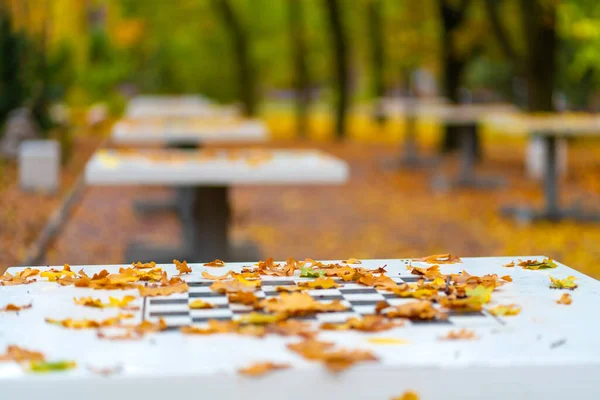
x=212, y=129
x=173, y=106
x=198, y=168
x=548, y=351
x=557, y=124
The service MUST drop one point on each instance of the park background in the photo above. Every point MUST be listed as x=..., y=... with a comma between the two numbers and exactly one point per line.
x=314, y=71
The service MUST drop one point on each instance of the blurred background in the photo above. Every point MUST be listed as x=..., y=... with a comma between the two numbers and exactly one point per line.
x=329, y=74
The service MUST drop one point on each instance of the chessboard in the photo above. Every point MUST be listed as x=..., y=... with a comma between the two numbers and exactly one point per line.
x=547, y=351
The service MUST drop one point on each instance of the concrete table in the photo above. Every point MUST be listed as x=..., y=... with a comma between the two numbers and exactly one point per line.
x=466, y=117
x=549, y=128
x=203, y=178
x=168, y=106
x=548, y=351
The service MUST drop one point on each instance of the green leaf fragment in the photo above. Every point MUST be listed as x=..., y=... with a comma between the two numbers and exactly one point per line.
x=310, y=273
x=43, y=366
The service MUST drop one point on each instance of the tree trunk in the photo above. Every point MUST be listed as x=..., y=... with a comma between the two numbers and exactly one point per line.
x=338, y=39
x=539, y=24
x=375, y=24
x=301, y=74
x=241, y=47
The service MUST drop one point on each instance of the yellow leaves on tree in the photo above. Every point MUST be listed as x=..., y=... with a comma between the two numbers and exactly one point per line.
x=567, y=283
x=565, y=299
x=298, y=304
x=334, y=360
x=505, y=310
x=441, y=259
x=215, y=263
x=262, y=368
x=182, y=267
x=368, y=323
x=19, y=355
x=462, y=334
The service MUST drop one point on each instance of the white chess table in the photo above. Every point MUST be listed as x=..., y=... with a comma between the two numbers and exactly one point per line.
x=548, y=351
x=203, y=179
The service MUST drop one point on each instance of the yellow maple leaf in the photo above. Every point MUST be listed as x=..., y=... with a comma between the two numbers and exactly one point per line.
x=567, y=283
x=505, y=310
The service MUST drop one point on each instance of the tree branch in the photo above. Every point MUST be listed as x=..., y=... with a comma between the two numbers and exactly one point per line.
x=499, y=32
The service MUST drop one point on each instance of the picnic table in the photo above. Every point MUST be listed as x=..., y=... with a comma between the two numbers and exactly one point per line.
x=549, y=128
x=203, y=179
x=547, y=351
x=173, y=106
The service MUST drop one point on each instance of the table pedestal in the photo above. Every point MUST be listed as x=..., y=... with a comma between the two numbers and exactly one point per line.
x=552, y=210
x=410, y=157
x=467, y=178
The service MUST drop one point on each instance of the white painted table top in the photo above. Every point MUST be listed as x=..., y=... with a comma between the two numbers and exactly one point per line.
x=548, y=351
x=171, y=106
x=215, y=167
x=212, y=129
x=556, y=124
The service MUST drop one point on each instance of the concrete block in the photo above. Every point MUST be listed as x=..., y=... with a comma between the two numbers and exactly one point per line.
x=39, y=165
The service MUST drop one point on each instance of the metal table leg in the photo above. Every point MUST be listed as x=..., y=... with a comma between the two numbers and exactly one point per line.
x=411, y=157
x=552, y=210
x=467, y=178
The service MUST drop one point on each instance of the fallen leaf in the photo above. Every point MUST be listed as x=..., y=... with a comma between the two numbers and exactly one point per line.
x=311, y=349
x=290, y=288
x=340, y=360
x=481, y=293
x=319, y=283
x=208, y=276
x=567, y=283
x=546, y=263
x=215, y=263
x=214, y=327
x=88, y=302
x=505, y=310
x=125, y=335
x=380, y=306
x=54, y=274
x=509, y=265
x=429, y=273
x=141, y=265
x=235, y=286
x=292, y=327
x=55, y=366
x=466, y=305
x=386, y=341
x=246, y=298
x=441, y=259
x=254, y=318
x=310, y=273
x=565, y=299
x=417, y=310
x=420, y=294
x=507, y=278
x=151, y=291
x=13, y=308
x=409, y=395
x=200, y=304
x=18, y=354
x=368, y=323
x=89, y=323
x=27, y=272
x=297, y=304
x=182, y=267
x=263, y=368
x=462, y=334
x=352, y=261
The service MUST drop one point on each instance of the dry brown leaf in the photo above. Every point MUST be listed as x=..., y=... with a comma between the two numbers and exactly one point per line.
x=200, y=304
x=352, y=261
x=509, y=265
x=368, y=323
x=27, y=273
x=210, y=277
x=507, y=278
x=505, y=310
x=380, y=306
x=297, y=304
x=182, y=267
x=89, y=323
x=262, y=368
x=334, y=360
x=254, y=318
x=54, y=274
x=141, y=265
x=409, y=395
x=245, y=298
x=462, y=334
x=213, y=327
x=565, y=299
x=19, y=355
x=469, y=304
x=290, y=288
x=441, y=259
x=417, y=310
x=235, y=286
x=292, y=327
x=311, y=349
x=151, y=291
x=319, y=283
x=428, y=273
x=215, y=263
x=15, y=308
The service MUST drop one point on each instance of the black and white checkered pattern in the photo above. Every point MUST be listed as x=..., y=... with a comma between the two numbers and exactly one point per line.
x=360, y=300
